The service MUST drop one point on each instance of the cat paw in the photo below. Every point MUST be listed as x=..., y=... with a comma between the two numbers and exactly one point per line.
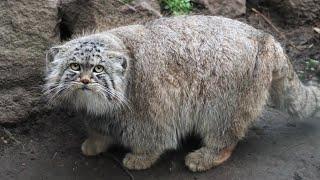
x=139, y=161
x=91, y=147
x=204, y=159
x=197, y=161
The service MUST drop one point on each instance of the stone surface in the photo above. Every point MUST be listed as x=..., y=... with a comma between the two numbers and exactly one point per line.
x=15, y=104
x=227, y=8
x=152, y=6
x=80, y=16
x=26, y=31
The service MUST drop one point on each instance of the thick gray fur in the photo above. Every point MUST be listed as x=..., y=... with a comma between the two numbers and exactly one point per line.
x=174, y=76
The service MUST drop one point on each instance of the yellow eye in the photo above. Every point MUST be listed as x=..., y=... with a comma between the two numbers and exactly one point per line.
x=98, y=69
x=75, y=66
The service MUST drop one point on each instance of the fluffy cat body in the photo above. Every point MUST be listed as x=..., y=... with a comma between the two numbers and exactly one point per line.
x=174, y=76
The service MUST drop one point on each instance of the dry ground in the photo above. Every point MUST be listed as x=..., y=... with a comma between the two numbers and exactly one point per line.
x=49, y=148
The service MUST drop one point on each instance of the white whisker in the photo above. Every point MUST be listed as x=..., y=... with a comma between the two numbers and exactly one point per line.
x=123, y=101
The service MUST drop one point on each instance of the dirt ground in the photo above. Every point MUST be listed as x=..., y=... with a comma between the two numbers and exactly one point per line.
x=47, y=146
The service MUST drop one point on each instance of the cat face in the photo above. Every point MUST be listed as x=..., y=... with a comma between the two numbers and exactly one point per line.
x=88, y=74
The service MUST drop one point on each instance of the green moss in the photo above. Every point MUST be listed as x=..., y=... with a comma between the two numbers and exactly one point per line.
x=312, y=65
x=177, y=7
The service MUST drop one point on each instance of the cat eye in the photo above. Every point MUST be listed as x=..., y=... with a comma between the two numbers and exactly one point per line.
x=75, y=66
x=98, y=69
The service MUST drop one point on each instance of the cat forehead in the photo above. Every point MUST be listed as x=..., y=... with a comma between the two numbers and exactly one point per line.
x=86, y=51
x=88, y=46
x=92, y=50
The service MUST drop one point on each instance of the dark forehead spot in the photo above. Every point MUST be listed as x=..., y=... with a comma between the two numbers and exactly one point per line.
x=98, y=56
x=87, y=64
x=90, y=44
x=89, y=50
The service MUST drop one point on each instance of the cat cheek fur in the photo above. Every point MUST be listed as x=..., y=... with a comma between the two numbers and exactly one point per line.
x=70, y=76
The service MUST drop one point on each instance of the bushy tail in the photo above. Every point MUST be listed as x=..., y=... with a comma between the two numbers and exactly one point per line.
x=288, y=94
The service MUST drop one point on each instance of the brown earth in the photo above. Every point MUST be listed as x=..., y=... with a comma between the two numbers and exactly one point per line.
x=47, y=144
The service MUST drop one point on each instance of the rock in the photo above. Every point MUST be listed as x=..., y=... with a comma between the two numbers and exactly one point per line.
x=26, y=32
x=15, y=104
x=227, y=8
x=151, y=6
x=80, y=16
x=297, y=11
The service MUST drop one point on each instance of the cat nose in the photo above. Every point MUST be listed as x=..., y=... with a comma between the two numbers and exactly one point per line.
x=85, y=79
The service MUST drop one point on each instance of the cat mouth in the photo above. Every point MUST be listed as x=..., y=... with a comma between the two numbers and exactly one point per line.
x=85, y=88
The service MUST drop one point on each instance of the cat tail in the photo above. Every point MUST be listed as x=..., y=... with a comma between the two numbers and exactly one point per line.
x=287, y=92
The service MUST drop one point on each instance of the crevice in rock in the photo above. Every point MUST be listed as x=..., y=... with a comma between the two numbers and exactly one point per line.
x=65, y=31
x=64, y=26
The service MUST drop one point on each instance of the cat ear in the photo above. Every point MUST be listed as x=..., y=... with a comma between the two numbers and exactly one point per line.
x=51, y=53
x=123, y=61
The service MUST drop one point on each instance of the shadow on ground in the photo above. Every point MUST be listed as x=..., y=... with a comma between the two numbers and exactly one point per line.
x=49, y=148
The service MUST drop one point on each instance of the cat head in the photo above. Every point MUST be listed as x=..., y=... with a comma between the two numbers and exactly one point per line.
x=88, y=73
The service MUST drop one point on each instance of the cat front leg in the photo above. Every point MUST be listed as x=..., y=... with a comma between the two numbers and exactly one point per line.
x=96, y=143
x=140, y=160
x=147, y=147
x=214, y=152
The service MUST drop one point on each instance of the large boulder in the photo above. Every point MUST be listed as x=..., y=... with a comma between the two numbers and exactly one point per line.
x=227, y=8
x=80, y=16
x=26, y=31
